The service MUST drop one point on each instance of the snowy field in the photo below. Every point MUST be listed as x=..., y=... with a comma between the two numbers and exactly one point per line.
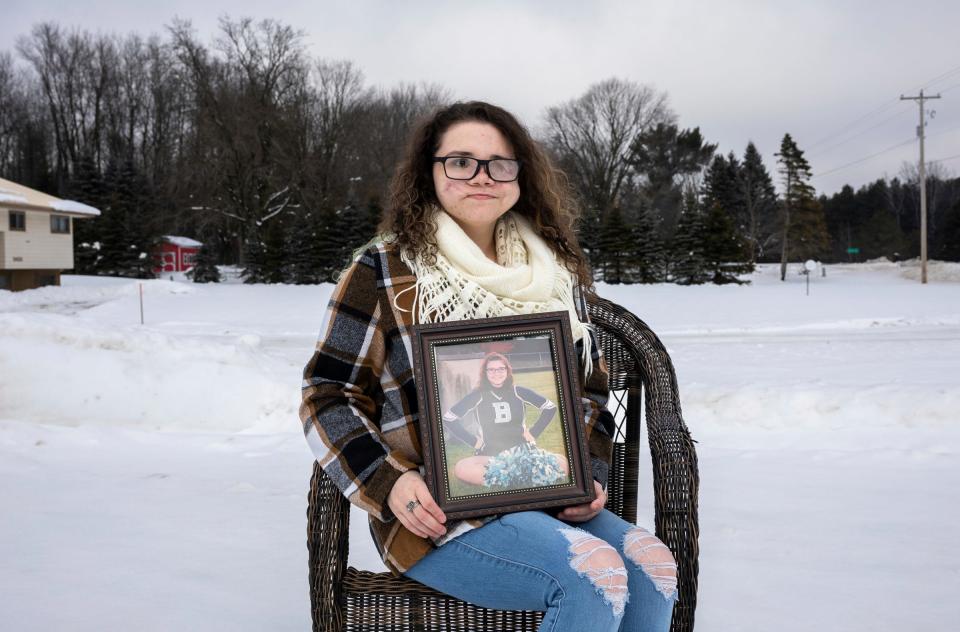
x=155, y=476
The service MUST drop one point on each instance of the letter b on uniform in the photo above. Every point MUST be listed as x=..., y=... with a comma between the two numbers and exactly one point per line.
x=501, y=412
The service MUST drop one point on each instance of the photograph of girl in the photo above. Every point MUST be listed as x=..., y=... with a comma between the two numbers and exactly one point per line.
x=494, y=431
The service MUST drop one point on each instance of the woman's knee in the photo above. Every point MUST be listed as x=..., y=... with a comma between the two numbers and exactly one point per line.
x=653, y=557
x=599, y=564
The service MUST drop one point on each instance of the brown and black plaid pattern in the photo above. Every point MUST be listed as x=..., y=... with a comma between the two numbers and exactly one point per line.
x=359, y=408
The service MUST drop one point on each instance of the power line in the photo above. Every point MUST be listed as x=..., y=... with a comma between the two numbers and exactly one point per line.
x=876, y=125
x=886, y=106
x=865, y=158
x=953, y=87
x=843, y=129
x=938, y=78
x=941, y=132
x=954, y=157
x=862, y=132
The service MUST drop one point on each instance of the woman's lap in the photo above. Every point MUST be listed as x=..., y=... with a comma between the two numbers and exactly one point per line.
x=515, y=562
x=529, y=561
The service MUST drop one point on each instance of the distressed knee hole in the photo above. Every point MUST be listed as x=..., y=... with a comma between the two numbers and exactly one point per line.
x=600, y=563
x=653, y=557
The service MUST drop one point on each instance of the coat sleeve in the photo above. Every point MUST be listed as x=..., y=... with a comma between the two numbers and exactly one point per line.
x=342, y=395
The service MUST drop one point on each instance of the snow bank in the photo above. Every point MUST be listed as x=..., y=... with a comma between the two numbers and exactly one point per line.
x=937, y=271
x=59, y=370
x=84, y=292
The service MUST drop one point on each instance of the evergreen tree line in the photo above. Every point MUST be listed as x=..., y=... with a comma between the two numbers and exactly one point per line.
x=882, y=219
x=280, y=162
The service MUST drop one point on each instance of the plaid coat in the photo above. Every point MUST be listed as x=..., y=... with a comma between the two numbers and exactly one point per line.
x=359, y=409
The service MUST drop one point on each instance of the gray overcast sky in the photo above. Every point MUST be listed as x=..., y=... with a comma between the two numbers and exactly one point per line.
x=741, y=70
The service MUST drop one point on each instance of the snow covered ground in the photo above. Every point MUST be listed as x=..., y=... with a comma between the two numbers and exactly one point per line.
x=155, y=475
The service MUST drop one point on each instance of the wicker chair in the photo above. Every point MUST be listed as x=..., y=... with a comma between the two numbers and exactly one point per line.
x=345, y=598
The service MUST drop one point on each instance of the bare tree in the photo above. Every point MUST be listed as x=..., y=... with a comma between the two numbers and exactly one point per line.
x=593, y=134
x=337, y=99
x=244, y=97
x=386, y=123
x=13, y=110
x=937, y=178
x=74, y=70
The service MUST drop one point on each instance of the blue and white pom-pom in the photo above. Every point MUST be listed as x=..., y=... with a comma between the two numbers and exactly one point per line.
x=524, y=466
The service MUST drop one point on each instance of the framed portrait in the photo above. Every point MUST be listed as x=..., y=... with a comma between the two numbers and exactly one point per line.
x=501, y=418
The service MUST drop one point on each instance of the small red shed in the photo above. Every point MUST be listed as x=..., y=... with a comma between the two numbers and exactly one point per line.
x=177, y=254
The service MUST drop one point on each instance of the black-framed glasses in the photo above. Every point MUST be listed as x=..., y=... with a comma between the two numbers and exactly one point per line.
x=466, y=168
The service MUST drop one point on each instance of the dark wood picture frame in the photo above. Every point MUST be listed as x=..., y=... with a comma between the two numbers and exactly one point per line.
x=450, y=360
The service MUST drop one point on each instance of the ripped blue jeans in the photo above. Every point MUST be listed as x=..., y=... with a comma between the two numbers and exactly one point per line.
x=604, y=574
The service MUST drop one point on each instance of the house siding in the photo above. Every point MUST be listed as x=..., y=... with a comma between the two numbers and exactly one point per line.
x=36, y=248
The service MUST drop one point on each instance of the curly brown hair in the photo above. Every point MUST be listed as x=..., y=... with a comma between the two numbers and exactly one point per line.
x=545, y=200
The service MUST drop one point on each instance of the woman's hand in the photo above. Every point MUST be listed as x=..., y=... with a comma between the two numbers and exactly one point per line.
x=426, y=520
x=586, y=511
x=528, y=437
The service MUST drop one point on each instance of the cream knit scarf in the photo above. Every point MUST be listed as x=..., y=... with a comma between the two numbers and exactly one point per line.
x=464, y=284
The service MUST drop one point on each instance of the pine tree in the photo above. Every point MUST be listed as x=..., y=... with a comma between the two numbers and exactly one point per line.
x=880, y=236
x=329, y=249
x=725, y=252
x=663, y=155
x=254, y=258
x=689, y=265
x=759, y=203
x=373, y=215
x=353, y=231
x=141, y=239
x=613, y=246
x=113, y=231
x=722, y=187
x=274, y=254
x=588, y=234
x=304, y=263
x=87, y=187
x=841, y=210
x=724, y=241
x=127, y=244
x=645, y=257
x=803, y=230
x=205, y=266
x=809, y=238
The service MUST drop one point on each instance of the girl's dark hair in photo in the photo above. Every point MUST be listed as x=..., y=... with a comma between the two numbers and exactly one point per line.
x=494, y=355
x=545, y=200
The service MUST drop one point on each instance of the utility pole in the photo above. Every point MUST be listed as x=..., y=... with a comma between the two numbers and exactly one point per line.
x=923, y=186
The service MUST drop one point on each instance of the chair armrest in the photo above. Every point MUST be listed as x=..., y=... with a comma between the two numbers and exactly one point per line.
x=676, y=478
x=328, y=531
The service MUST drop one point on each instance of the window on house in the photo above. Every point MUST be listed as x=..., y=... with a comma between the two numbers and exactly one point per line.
x=18, y=220
x=60, y=224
